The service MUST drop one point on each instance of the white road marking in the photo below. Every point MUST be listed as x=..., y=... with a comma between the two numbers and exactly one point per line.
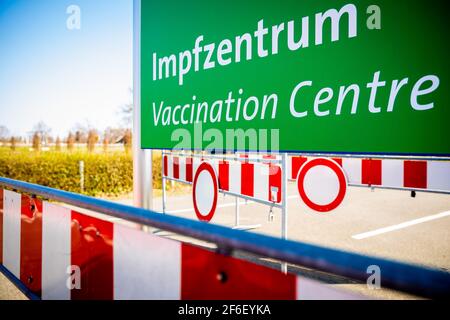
x=225, y=205
x=218, y=206
x=400, y=226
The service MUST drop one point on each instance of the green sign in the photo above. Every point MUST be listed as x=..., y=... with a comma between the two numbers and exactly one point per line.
x=301, y=75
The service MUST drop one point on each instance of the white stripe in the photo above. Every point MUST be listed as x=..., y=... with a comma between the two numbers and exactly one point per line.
x=145, y=266
x=56, y=251
x=308, y=289
x=234, y=178
x=182, y=166
x=275, y=189
x=400, y=226
x=438, y=175
x=352, y=168
x=11, y=231
x=195, y=164
x=215, y=164
x=170, y=166
x=261, y=181
x=392, y=173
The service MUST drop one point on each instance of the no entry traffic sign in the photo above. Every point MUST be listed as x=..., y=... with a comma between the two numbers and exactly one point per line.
x=205, y=192
x=322, y=184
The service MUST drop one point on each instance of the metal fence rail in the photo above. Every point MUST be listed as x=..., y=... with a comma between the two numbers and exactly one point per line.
x=422, y=281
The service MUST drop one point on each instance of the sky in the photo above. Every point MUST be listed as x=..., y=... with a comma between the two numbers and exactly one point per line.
x=60, y=76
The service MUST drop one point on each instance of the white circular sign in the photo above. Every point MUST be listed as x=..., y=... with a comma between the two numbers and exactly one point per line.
x=205, y=192
x=322, y=184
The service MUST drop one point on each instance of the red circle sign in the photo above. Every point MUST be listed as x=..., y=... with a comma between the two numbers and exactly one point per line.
x=322, y=184
x=205, y=192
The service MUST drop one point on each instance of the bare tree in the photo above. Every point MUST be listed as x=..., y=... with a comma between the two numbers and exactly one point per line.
x=58, y=144
x=80, y=137
x=92, y=140
x=13, y=143
x=105, y=141
x=70, y=141
x=82, y=131
x=105, y=144
x=36, y=141
x=127, y=140
x=43, y=131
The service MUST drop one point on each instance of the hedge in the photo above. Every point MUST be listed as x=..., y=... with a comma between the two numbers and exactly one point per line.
x=104, y=173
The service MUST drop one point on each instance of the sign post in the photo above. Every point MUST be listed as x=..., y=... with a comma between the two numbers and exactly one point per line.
x=142, y=159
x=284, y=198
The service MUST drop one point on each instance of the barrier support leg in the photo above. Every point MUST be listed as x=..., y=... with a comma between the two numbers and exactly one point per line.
x=163, y=197
x=237, y=224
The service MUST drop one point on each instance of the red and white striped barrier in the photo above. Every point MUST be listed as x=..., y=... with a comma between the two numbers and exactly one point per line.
x=43, y=245
x=256, y=180
x=390, y=173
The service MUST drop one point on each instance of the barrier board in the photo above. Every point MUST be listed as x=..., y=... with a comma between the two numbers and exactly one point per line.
x=59, y=253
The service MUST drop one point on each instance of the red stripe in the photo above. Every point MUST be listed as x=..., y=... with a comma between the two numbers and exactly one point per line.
x=275, y=181
x=415, y=174
x=224, y=172
x=338, y=160
x=189, y=169
x=365, y=171
x=176, y=168
x=297, y=163
x=31, y=244
x=212, y=276
x=165, y=166
x=92, y=252
x=247, y=177
x=1, y=226
x=371, y=171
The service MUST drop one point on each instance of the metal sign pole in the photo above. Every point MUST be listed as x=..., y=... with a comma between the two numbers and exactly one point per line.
x=284, y=197
x=163, y=184
x=236, y=212
x=142, y=159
